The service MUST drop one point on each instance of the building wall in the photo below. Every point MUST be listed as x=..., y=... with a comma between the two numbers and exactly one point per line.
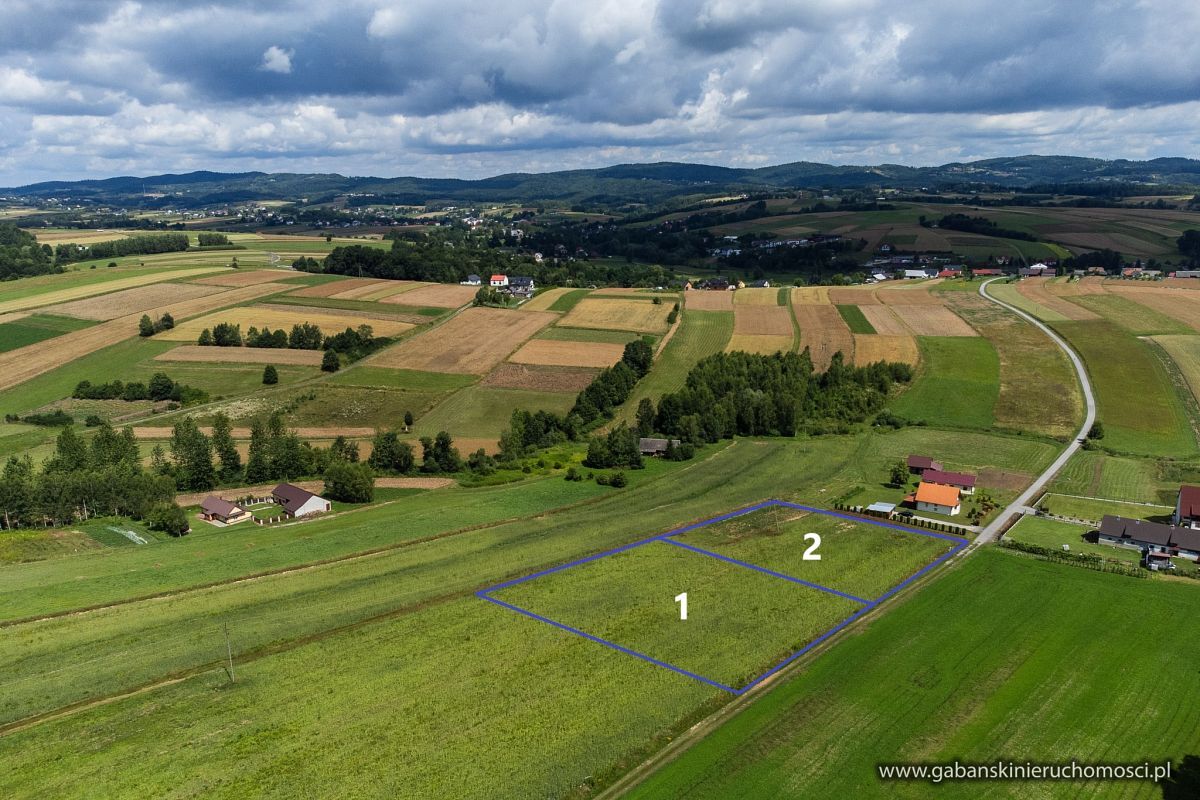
x=936, y=509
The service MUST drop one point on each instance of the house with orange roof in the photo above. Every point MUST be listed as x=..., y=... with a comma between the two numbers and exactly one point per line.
x=938, y=499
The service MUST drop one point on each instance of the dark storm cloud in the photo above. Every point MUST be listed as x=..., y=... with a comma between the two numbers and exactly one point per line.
x=422, y=84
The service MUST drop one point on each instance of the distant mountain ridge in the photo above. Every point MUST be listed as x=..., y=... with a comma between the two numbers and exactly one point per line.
x=618, y=183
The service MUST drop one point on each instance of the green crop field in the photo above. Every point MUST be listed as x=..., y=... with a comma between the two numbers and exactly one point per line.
x=587, y=335
x=37, y=328
x=569, y=300
x=857, y=322
x=957, y=383
x=1134, y=317
x=1004, y=657
x=1009, y=294
x=389, y=378
x=479, y=411
x=1151, y=420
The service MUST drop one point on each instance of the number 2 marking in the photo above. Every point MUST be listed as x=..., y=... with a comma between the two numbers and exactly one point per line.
x=811, y=554
x=682, y=600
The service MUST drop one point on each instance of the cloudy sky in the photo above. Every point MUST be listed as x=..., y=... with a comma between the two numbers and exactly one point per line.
x=92, y=88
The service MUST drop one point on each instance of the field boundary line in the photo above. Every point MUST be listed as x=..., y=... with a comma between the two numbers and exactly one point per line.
x=1104, y=499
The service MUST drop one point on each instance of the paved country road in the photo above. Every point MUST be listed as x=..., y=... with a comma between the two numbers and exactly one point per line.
x=1021, y=504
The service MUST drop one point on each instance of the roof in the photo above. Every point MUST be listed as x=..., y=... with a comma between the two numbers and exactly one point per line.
x=215, y=505
x=291, y=497
x=1138, y=530
x=1189, y=501
x=988, y=271
x=936, y=475
x=520, y=279
x=499, y=277
x=923, y=462
x=648, y=444
x=472, y=277
x=937, y=495
x=885, y=508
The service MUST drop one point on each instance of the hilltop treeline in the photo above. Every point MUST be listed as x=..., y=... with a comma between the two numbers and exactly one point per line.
x=141, y=245
x=21, y=256
x=776, y=395
x=980, y=225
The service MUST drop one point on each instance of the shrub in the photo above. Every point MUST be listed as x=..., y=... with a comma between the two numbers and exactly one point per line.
x=617, y=480
x=330, y=362
x=168, y=517
x=270, y=375
x=349, y=483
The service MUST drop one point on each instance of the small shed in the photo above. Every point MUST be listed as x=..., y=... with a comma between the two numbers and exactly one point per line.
x=650, y=446
x=297, y=502
x=882, y=509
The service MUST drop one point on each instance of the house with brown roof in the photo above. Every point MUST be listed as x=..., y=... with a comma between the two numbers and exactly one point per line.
x=650, y=446
x=1150, y=537
x=937, y=499
x=918, y=464
x=1187, y=507
x=962, y=481
x=297, y=502
x=214, y=509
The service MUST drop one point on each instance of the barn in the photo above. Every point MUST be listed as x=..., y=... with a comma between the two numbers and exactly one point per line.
x=297, y=502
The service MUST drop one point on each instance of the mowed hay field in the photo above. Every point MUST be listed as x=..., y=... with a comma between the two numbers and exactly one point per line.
x=756, y=297
x=247, y=277
x=128, y=301
x=639, y=316
x=869, y=348
x=472, y=342
x=1035, y=289
x=337, y=286
x=759, y=343
x=957, y=383
x=759, y=320
x=242, y=355
x=884, y=320
x=539, y=377
x=702, y=300
x=543, y=300
x=437, y=295
x=823, y=332
x=932, y=682
x=1038, y=388
x=1177, y=304
x=933, y=320
x=88, y=289
x=1185, y=352
x=568, y=354
x=282, y=316
x=17, y=366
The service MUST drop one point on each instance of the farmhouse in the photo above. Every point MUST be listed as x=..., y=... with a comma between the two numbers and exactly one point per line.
x=520, y=285
x=960, y=480
x=1150, y=537
x=297, y=502
x=473, y=280
x=918, y=464
x=937, y=499
x=498, y=281
x=655, y=447
x=214, y=509
x=763, y=284
x=912, y=274
x=1187, y=507
x=987, y=272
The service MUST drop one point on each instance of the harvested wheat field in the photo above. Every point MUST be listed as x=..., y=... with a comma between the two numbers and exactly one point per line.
x=1035, y=289
x=639, y=316
x=756, y=297
x=472, y=342
x=437, y=295
x=853, y=296
x=811, y=295
x=543, y=300
x=163, y=432
x=352, y=317
x=242, y=355
x=933, y=321
x=392, y=288
x=76, y=236
x=702, y=300
x=539, y=377
x=239, y=277
x=1086, y=286
x=884, y=320
x=823, y=332
x=869, y=348
x=359, y=291
x=91, y=289
x=762, y=320
x=914, y=296
x=758, y=343
x=333, y=287
x=1182, y=306
x=17, y=366
x=128, y=301
x=284, y=317
x=552, y=352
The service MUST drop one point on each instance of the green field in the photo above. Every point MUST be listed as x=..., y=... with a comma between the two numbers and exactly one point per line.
x=1008, y=293
x=587, y=335
x=1151, y=420
x=1093, y=510
x=700, y=334
x=1054, y=534
x=1134, y=317
x=1096, y=474
x=389, y=378
x=569, y=300
x=957, y=383
x=37, y=328
x=1004, y=657
x=857, y=322
x=479, y=411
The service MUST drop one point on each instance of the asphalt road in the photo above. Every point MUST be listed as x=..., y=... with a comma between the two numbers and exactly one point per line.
x=1021, y=504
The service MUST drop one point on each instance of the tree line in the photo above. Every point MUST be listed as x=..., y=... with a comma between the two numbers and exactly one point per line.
x=21, y=256
x=142, y=244
x=161, y=387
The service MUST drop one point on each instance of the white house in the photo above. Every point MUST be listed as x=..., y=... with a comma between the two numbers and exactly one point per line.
x=938, y=499
x=472, y=280
x=499, y=281
x=297, y=502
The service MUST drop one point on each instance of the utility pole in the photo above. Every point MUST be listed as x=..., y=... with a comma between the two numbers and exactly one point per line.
x=229, y=653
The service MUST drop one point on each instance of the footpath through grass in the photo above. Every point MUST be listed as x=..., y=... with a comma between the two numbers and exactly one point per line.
x=1004, y=657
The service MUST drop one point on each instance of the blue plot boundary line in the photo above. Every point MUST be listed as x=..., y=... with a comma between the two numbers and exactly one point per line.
x=958, y=543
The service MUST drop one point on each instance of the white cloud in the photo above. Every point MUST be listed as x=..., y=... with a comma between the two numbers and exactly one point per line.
x=276, y=59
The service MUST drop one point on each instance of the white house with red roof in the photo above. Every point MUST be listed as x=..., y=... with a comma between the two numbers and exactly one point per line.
x=498, y=281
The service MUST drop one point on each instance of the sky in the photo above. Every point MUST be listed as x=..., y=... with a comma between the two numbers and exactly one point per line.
x=446, y=88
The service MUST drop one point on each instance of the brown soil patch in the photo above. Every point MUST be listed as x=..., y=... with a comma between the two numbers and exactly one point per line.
x=17, y=366
x=333, y=287
x=869, y=348
x=242, y=355
x=933, y=321
x=472, y=342
x=1035, y=289
x=240, y=277
x=438, y=295
x=164, y=432
x=117, y=304
x=853, y=296
x=552, y=352
x=275, y=317
x=762, y=320
x=1003, y=480
x=884, y=320
x=413, y=483
x=823, y=332
x=702, y=300
x=392, y=288
x=539, y=377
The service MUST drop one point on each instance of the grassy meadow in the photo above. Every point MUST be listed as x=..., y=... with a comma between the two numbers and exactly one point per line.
x=957, y=383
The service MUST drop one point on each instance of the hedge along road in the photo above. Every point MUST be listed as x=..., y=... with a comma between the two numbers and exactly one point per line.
x=1021, y=504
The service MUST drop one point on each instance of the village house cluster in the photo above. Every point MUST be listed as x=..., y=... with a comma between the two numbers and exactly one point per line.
x=292, y=501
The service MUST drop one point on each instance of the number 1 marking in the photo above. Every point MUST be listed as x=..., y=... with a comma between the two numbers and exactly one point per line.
x=682, y=600
x=810, y=553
